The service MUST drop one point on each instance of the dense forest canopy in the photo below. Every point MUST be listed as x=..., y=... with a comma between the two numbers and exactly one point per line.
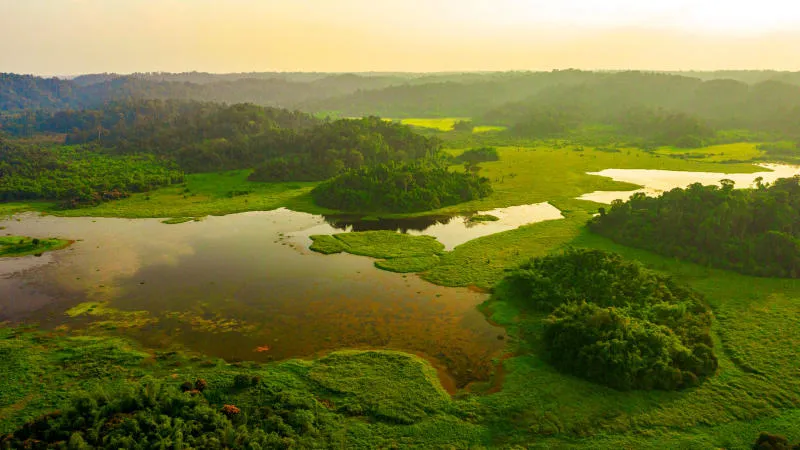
x=163, y=416
x=200, y=137
x=753, y=231
x=614, y=322
x=400, y=188
x=77, y=175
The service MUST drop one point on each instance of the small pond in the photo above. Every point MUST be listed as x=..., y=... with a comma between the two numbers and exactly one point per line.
x=656, y=182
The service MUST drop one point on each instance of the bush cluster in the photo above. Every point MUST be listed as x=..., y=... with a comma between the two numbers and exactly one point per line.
x=616, y=323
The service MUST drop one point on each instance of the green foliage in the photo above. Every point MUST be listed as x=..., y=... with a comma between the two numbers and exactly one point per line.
x=77, y=176
x=155, y=415
x=399, y=188
x=22, y=246
x=330, y=148
x=616, y=323
x=464, y=126
x=783, y=151
x=483, y=218
x=477, y=155
x=753, y=231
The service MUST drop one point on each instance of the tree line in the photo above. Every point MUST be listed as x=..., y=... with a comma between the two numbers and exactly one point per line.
x=657, y=109
x=203, y=137
x=76, y=175
x=752, y=231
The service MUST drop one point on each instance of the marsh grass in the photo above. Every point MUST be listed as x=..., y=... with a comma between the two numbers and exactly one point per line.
x=179, y=220
x=16, y=246
x=483, y=218
x=396, y=252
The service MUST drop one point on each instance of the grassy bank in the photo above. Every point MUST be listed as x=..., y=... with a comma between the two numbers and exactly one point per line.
x=15, y=246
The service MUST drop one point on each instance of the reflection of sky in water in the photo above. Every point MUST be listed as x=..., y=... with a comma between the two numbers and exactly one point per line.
x=656, y=182
x=450, y=231
x=228, y=285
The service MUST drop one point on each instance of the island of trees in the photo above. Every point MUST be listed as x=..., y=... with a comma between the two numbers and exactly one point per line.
x=400, y=188
x=614, y=322
x=752, y=231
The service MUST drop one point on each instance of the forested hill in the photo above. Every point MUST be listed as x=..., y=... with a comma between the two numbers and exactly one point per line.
x=204, y=137
x=753, y=231
x=663, y=109
x=465, y=96
x=289, y=90
x=386, y=94
x=24, y=92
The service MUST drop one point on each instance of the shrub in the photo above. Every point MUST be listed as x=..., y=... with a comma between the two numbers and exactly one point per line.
x=767, y=441
x=200, y=384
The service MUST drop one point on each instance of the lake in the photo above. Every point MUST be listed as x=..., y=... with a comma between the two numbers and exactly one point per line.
x=246, y=287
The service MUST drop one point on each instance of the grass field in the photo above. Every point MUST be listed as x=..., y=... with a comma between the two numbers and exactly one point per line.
x=201, y=195
x=441, y=124
x=488, y=129
x=742, y=151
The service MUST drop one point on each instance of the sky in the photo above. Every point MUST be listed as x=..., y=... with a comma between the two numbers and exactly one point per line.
x=69, y=37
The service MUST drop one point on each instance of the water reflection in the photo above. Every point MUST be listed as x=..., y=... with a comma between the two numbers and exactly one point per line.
x=451, y=231
x=241, y=287
x=656, y=182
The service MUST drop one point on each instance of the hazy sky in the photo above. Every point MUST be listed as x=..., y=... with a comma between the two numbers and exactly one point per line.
x=59, y=37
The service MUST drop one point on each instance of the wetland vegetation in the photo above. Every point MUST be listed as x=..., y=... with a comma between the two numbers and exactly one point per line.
x=16, y=246
x=666, y=321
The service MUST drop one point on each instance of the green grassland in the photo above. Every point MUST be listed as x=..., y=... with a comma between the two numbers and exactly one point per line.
x=444, y=124
x=742, y=151
x=202, y=194
x=15, y=246
x=391, y=400
x=488, y=129
x=440, y=124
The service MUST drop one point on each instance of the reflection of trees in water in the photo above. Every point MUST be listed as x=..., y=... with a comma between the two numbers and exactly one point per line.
x=356, y=223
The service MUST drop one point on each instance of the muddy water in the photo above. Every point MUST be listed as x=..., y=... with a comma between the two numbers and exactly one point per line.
x=656, y=182
x=240, y=287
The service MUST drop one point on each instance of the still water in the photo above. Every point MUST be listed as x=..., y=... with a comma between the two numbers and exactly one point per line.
x=246, y=287
x=656, y=182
